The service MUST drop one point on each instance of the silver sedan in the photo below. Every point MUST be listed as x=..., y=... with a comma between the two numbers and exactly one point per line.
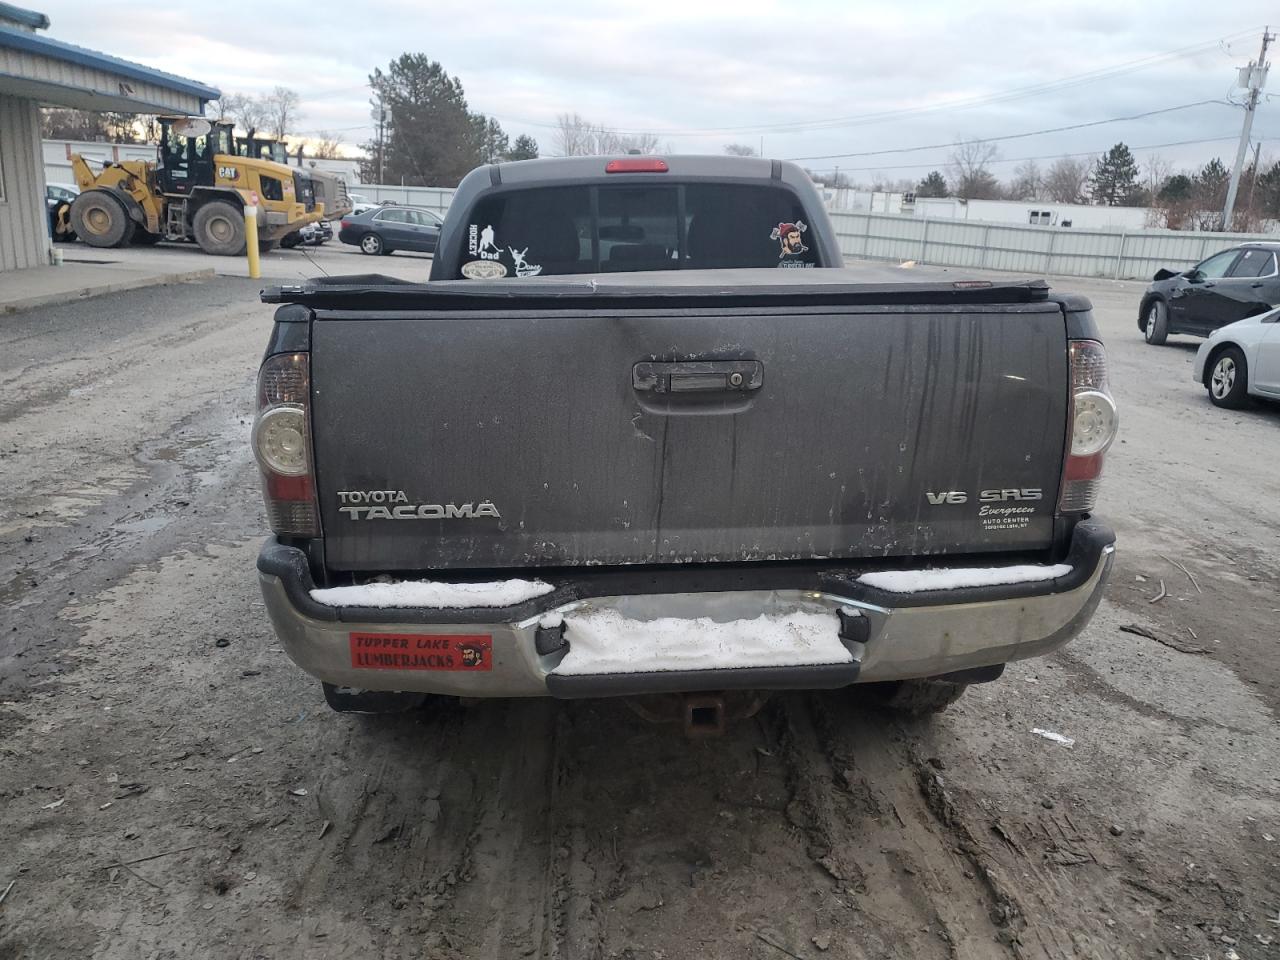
x=1241, y=360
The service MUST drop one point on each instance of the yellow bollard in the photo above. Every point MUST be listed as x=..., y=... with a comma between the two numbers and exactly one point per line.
x=251, y=239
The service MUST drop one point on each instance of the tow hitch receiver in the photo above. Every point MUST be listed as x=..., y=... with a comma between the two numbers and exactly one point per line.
x=701, y=715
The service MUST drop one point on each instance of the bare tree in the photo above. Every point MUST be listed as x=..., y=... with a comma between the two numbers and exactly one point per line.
x=326, y=146
x=1066, y=179
x=244, y=110
x=970, y=170
x=740, y=150
x=1027, y=182
x=280, y=108
x=576, y=136
x=1155, y=171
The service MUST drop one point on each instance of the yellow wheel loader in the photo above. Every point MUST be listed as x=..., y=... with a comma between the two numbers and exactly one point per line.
x=196, y=190
x=326, y=189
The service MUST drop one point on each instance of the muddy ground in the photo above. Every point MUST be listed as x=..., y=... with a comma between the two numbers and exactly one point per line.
x=172, y=787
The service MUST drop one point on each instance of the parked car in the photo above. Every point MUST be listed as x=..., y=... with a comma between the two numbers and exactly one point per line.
x=57, y=199
x=383, y=230
x=1241, y=360
x=688, y=483
x=360, y=203
x=1229, y=286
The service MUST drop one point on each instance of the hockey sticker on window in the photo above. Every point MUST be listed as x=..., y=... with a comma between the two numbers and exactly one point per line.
x=482, y=243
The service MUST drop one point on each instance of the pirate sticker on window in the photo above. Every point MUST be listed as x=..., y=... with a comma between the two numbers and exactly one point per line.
x=790, y=237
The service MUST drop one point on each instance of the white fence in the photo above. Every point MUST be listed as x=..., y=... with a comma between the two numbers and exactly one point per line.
x=435, y=199
x=1118, y=255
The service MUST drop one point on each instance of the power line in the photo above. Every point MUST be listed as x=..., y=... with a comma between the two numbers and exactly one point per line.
x=1104, y=73
x=1046, y=156
x=1013, y=136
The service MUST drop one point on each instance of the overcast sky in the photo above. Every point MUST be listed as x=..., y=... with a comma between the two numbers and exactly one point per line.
x=813, y=79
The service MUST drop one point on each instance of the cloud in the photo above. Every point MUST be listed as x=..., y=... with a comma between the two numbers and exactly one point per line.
x=705, y=74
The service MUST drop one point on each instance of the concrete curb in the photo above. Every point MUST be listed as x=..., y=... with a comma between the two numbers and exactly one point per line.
x=98, y=289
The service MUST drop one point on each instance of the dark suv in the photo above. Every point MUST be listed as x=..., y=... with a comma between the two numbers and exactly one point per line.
x=1229, y=286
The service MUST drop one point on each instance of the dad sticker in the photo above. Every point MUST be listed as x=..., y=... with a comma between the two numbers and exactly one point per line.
x=484, y=270
x=421, y=651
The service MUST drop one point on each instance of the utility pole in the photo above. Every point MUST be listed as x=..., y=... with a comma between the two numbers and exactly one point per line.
x=1254, y=77
x=1253, y=180
x=382, y=122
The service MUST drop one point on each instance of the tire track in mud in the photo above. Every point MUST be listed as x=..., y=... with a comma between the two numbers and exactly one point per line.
x=928, y=851
x=870, y=828
x=442, y=831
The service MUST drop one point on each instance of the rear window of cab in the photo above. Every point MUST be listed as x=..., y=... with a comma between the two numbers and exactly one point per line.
x=629, y=227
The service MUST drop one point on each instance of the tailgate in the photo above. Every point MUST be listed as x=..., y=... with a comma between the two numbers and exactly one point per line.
x=581, y=437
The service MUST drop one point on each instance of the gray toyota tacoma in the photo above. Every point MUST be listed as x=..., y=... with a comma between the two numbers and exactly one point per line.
x=610, y=449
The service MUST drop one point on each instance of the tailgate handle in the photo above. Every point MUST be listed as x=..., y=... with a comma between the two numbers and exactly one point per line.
x=698, y=376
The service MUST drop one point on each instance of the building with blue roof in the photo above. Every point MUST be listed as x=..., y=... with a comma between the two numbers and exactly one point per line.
x=35, y=71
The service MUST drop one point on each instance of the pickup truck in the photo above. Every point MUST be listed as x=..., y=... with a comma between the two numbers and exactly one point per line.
x=687, y=486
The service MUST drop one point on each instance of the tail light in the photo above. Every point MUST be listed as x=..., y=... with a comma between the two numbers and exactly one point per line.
x=344, y=223
x=1093, y=422
x=282, y=445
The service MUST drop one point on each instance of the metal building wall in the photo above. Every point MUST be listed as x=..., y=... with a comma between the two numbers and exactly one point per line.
x=24, y=230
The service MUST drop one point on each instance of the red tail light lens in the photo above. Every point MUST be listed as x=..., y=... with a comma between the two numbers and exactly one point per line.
x=282, y=445
x=1093, y=423
x=636, y=165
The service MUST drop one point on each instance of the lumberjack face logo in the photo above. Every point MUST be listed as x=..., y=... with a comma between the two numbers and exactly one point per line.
x=788, y=236
x=472, y=654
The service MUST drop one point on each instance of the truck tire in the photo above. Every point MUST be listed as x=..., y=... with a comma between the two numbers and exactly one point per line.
x=916, y=698
x=99, y=219
x=1157, y=329
x=1228, y=379
x=218, y=227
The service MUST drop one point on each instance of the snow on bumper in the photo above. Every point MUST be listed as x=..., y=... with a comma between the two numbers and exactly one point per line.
x=828, y=632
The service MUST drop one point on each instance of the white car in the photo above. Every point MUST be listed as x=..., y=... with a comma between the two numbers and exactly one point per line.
x=1241, y=360
x=360, y=203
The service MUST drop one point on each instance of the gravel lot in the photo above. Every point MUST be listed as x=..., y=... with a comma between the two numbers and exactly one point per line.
x=171, y=786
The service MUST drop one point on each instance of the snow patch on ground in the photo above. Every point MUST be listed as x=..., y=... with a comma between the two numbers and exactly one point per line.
x=429, y=594
x=911, y=581
x=605, y=641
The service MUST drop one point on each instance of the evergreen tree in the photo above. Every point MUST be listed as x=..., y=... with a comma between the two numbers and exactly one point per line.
x=525, y=148
x=934, y=185
x=1114, y=181
x=431, y=139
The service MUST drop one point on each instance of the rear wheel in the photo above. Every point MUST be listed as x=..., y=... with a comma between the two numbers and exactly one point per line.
x=1229, y=379
x=219, y=229
x=916, y=698
x=1157, y=323
x=372, y=244
x=100, y=220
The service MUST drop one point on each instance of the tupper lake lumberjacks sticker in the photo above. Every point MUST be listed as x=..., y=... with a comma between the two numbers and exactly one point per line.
x=421, y=651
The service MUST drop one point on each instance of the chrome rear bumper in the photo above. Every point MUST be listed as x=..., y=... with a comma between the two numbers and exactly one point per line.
x=889, y=636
